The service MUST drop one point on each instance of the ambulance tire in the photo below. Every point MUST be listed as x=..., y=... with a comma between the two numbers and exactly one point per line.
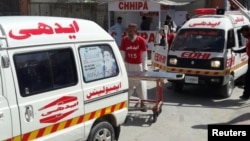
x=227, y=90
x=102, y=130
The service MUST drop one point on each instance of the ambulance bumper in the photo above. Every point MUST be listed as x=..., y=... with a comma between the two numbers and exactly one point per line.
x=201, y=80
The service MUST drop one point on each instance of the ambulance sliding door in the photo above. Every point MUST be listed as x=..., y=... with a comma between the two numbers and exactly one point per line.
x=48, y=92
x=102, y=80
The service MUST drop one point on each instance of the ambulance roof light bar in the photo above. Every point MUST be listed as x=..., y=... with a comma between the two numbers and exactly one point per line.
x=205, y=11
x=209, y=11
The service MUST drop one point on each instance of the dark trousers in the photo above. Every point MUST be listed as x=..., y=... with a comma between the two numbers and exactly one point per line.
x=246, y=92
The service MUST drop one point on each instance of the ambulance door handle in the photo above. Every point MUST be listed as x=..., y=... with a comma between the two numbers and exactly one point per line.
x=1, y=115
x=29, y=115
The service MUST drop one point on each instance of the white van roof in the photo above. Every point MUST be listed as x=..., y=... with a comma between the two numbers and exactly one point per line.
x=33, y=30
x=224, y=22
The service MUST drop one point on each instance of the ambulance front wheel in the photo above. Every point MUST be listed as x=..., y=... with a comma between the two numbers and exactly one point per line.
x=227, y=89
x=102, y=131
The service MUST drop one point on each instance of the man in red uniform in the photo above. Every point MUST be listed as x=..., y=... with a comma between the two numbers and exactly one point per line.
x=170, y=37
x=245, y=31
x=134, y=53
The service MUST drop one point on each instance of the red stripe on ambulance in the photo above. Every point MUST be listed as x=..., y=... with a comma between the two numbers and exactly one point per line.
x=69, y=123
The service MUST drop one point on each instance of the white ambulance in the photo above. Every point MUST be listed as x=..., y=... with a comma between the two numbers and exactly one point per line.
x=54, y=83
x=202, y=50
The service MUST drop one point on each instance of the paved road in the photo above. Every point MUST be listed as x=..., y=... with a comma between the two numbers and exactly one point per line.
x=185, y=116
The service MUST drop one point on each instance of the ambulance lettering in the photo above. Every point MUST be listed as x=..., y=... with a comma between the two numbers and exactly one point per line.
x=58, y=109
x=244, y=57
x=123, y=5
x=104, y=90
x=230, y=62
x=195, y=55
x=43, y=28
x=239, y=19
x=160, y=58
x=203, y=23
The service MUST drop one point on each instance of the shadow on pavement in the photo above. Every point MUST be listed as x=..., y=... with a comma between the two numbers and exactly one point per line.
x=195, y=96
x=192, y=96
x=139, y=119
x=242, y=119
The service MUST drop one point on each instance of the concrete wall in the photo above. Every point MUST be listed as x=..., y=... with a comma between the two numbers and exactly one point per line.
x=90, y=11
x=9, y=7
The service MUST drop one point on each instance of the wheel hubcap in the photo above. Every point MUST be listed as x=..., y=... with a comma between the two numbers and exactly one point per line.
x=103, y=135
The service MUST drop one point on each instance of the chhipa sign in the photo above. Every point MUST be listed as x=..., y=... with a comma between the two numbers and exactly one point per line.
x=130, y=5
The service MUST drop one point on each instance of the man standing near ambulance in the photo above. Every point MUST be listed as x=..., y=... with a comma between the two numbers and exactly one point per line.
x=117, y=29
x=245, y=31
x=134, y=53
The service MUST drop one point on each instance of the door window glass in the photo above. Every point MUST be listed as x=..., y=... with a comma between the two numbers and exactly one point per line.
x=98, y=62
x=43, y=71
x=242, y=41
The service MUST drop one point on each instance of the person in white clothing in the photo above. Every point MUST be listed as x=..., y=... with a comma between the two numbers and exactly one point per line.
x=117, y=31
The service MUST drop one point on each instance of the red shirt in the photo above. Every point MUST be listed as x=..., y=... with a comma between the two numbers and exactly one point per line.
x=170, y=38
x=133, y=50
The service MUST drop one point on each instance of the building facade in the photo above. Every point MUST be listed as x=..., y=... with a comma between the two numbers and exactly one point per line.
x=87, y=9
x=79, y=9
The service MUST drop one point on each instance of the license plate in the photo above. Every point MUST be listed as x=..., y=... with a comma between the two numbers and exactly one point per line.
x=191, y=79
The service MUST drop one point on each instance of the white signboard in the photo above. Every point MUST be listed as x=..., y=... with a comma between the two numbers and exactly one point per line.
x=133, y=5
x=159, y=57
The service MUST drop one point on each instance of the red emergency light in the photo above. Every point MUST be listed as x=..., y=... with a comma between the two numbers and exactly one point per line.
x=205, y=11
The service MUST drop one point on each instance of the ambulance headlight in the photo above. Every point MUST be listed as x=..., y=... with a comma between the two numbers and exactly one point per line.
x=173, y=61
x=215, y=64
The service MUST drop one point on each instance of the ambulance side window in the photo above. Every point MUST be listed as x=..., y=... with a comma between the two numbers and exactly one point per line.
x=242, y=41
x=230, y=39
x=98, y=62
x=44, y=71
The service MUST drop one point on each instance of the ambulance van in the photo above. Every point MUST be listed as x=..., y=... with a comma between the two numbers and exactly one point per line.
x=202, y=50
x=55, y=82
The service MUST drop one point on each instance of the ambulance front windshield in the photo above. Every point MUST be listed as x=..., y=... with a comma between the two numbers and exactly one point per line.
x=204, y=40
